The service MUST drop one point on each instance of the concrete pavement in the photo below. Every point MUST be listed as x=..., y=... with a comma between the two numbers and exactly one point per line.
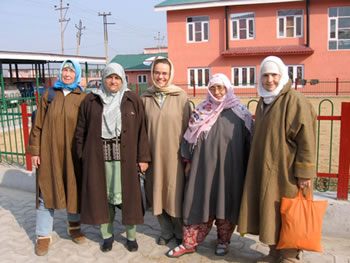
x=17, y=233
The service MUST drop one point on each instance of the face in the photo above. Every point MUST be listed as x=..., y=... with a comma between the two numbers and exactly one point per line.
x=113, y=83
x=270, y=81
x=68, y=76
x=218, y=91
x=161, y=74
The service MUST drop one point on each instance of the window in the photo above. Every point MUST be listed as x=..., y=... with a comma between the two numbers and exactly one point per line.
x=296, y=72
x=242, y=26
x=198, y=29
x=198, y=77
x=339, y=28
x=141, y=79
x=290, y=23
x=243, y=77
x=127, y=78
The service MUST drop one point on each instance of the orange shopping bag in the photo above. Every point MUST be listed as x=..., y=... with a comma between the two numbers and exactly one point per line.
x=301, y=222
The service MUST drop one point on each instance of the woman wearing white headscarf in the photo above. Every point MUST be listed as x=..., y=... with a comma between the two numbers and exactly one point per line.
x=216, y=148
x=282, y=156
x=111, y=142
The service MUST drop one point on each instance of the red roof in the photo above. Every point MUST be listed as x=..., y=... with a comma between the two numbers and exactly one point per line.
x=267, y=50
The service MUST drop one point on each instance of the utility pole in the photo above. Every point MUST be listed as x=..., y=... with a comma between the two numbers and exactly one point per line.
x=80, y=28
x=62, y=20
x=159, y=39
x=105, y=31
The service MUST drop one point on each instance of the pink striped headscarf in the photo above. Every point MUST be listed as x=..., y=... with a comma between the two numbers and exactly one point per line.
x=206, y=113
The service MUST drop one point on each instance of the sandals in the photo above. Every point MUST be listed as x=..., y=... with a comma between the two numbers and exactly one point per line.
x=222, y=249
x=179, y=251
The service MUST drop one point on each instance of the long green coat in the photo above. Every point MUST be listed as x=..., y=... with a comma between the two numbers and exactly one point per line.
x=283, y=149
x=165, y=128
x=52, y=138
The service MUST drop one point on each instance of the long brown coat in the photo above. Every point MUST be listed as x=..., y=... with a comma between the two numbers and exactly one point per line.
x=52, y=138
x=165, y=128
x=283, y=149
x=134, y=149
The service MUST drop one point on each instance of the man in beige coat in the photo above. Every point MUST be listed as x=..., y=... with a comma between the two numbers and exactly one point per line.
x=282, y=157
x=167, y=113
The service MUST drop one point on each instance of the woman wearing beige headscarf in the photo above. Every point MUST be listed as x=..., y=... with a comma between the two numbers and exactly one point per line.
x=167, y=113
x=282, y=157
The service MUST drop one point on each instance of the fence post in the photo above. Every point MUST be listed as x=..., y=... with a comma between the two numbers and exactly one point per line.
x=26, y=134
x=344, y=152
x=296, y=83
x=137, y=89
x=337, y=86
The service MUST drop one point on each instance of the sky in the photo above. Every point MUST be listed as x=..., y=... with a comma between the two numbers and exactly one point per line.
x=33, y=26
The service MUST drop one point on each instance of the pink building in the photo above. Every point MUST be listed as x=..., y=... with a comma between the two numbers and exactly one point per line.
x=232, y=37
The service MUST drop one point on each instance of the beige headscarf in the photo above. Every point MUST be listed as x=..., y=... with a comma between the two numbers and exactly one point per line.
x=169, y=89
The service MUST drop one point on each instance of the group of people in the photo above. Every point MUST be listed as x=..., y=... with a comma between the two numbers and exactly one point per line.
x=210, y=164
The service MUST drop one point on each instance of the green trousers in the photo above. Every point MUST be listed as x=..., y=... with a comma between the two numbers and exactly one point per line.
x=107, y=229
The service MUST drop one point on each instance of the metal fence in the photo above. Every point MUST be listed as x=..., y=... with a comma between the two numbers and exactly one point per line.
x=15, y=126
x=312, y=87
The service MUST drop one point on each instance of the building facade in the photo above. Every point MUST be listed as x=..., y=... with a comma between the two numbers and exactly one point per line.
x=232, y=37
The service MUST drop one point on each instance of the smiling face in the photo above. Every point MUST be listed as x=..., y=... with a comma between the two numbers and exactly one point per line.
x=113, y=83
x=68, y=76
x=161, y=74
x=218, y=91
x=270, y=81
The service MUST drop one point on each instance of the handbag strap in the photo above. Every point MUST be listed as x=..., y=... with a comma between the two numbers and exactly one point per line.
x=301, y=196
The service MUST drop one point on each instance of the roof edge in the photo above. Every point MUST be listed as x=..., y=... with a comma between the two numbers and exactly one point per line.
x=218, y=4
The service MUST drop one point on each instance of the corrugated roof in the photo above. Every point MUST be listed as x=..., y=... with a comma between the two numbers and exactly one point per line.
x=136, y=61
x=267, y=50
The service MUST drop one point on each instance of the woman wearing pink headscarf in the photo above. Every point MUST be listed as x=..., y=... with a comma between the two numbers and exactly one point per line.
x=216, y=147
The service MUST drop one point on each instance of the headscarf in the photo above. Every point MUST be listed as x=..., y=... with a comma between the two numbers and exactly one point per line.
x=206, y=113
x=169, y=89
x=269, y=65
x=111, y=116
x=60, y=85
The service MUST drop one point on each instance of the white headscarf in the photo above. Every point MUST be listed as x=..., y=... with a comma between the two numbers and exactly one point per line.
x=272, y=64
x=112, y=117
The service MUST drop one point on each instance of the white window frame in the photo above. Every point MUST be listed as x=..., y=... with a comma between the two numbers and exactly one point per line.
x=240, y=77
x=235, y=19
x=336, y=37
x=144, y=78
x=295, y=17
x=193, y=25
x=196, y=77
x=295, y=73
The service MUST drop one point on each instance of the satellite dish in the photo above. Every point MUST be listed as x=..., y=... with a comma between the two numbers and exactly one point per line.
x=149, y=61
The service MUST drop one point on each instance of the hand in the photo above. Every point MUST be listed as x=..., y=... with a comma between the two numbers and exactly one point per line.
x=302, y=182
x=143, y=167
x=187, y=168
x=36, y=160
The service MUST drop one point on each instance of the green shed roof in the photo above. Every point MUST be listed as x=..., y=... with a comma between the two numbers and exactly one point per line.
x=182, y=2
x=136, y=61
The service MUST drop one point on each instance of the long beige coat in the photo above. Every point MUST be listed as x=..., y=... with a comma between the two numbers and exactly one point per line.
x=165, y=176
x=52, y=138
x=283, y=149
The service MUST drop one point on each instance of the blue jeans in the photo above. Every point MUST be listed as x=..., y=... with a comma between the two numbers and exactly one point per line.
x=44, y=219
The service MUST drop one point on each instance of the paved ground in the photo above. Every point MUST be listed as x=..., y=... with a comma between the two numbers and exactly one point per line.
x=17, y=236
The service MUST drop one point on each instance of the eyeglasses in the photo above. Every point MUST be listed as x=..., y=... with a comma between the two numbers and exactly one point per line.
x=157, y=73
x=217, y=88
